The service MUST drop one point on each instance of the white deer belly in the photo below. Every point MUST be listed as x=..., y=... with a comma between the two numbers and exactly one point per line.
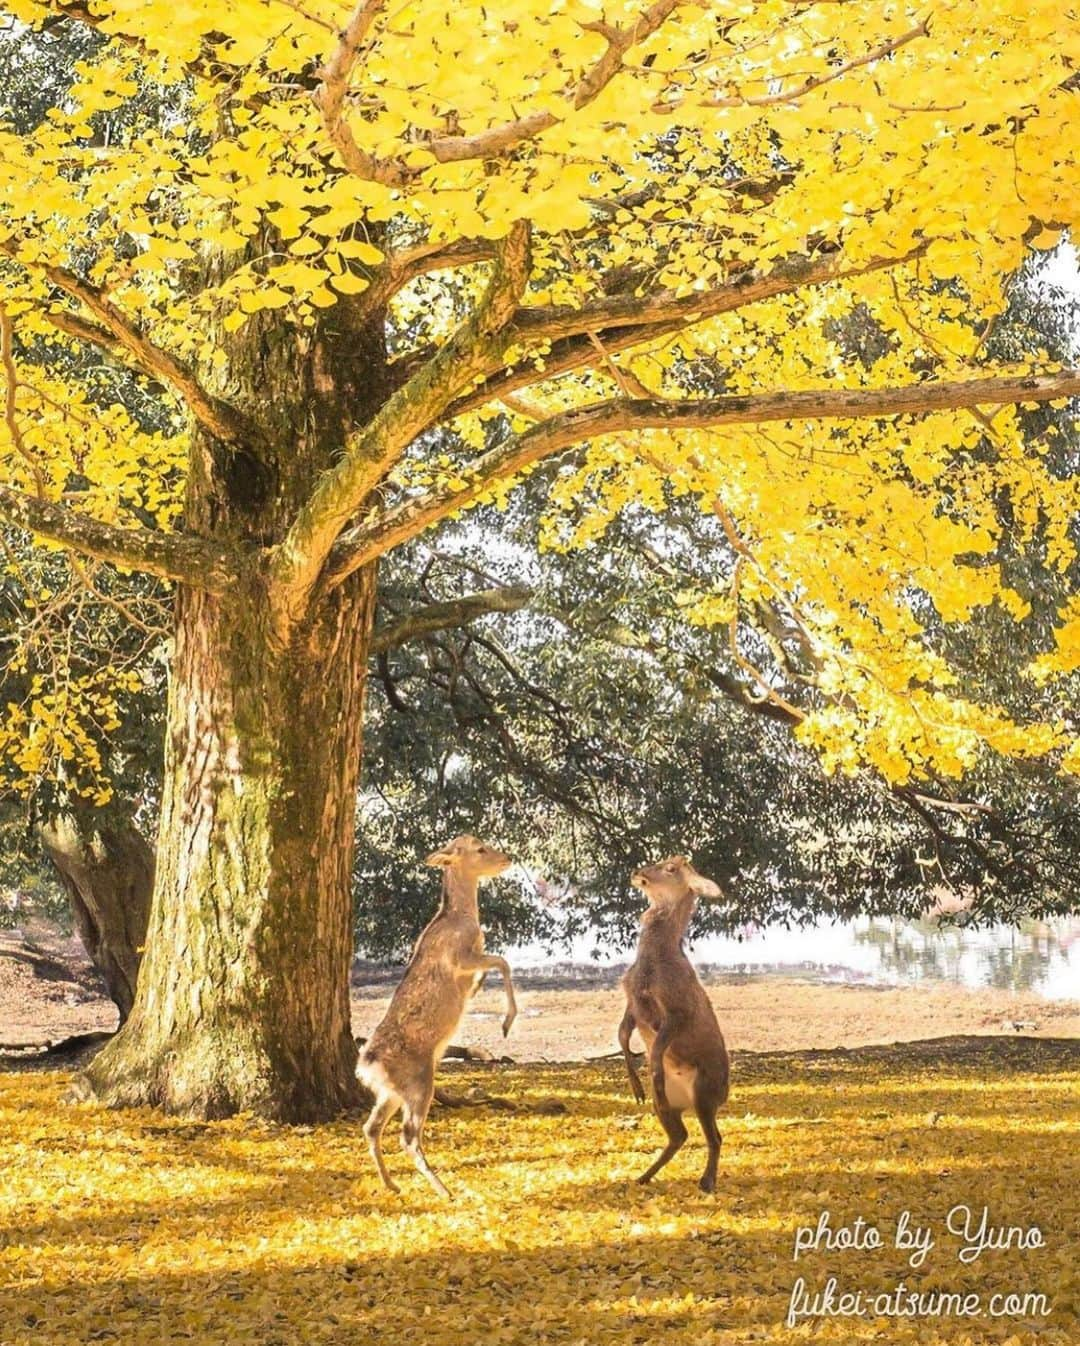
x=679, y=1084
x=679, y=1079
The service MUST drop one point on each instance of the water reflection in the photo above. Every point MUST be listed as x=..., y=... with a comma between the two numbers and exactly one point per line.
x=1035, y=956
x=1042, y=957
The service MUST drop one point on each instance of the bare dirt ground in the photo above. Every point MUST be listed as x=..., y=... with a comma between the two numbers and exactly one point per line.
x=757, y=1014
x=49, y=992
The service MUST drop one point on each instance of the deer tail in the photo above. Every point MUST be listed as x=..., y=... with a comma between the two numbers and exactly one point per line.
x=372, y=1074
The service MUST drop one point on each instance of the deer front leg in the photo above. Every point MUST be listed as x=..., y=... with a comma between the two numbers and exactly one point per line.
x=489, y=962
x=625, y=1029
x=656, y=1064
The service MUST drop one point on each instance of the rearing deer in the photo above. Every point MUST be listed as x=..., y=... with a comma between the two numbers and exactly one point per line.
x=667, y=1004
x=447, y=966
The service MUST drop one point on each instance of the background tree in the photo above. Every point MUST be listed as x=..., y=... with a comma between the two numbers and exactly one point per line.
x=584, y=767
x=376, y=305
x=82, y=674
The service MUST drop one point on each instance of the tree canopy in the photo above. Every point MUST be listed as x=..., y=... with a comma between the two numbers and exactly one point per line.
x=617, y=209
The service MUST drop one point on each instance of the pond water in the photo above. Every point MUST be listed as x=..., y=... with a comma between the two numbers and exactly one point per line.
x=1042, y=957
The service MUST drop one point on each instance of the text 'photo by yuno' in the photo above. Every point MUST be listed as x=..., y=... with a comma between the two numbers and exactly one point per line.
x=539, y=672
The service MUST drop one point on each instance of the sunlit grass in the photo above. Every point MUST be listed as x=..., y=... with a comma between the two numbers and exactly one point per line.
x=135, y=1228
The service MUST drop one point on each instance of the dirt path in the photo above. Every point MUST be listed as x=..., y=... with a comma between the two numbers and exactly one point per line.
x=48, y=991
x=756, y=1013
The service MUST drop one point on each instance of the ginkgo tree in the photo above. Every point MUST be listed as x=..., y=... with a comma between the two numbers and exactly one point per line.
x=383, y=260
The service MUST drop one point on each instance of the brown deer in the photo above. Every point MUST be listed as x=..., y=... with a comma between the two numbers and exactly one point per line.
x=667, y=1004
x=447, y=966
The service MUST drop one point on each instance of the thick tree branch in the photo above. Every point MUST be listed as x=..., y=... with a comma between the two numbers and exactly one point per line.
x=493, y=142
x=330, y=95
x=496, y=141
x=73, y=326
x=216, y=416
x=174, y=556
x=408, y=412
x=82, y=330
x=406, y=264
x=444, y=616
x=378, y=534
x=628, y=310
x=621, y=322
x=11, y=396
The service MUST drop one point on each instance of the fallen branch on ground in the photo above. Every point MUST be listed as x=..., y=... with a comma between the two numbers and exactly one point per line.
x=478, y=1098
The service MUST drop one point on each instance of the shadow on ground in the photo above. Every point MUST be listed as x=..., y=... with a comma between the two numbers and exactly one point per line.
x=134, y=1228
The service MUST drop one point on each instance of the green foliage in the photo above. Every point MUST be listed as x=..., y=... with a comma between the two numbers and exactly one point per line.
x=597, y=727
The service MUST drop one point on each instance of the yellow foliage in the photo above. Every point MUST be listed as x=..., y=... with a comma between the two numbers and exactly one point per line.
x=731, y=139
x=56, y=730
x=876, y=152
x=1065, y=657
x=126, y=1227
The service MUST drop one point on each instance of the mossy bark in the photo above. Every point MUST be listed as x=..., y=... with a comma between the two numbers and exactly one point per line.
x=243, y=995
x=107, y=871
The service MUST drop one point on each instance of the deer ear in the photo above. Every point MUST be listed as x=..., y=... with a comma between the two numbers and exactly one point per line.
x=440, y=859
x=698, y=883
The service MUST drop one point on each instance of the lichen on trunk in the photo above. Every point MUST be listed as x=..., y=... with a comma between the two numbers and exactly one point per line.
x=243, y=994
x=107, y=870
x=243, y=1001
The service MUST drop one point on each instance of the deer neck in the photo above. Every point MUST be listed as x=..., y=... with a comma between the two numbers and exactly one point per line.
x=459, y=894
x=668, y=924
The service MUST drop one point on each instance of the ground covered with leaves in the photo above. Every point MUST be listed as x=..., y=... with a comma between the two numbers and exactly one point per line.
x=133, y=1228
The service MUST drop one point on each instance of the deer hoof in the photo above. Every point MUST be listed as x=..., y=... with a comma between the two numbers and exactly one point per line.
x=507, y=1023
x=708, y=1183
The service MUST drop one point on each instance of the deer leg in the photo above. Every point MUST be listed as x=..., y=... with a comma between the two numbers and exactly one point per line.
x=385, y=1107
x=625, y=1029
x=656, y=1065
x=412, y=1131
x=705, y=1107
x=488, y=962
x=672, y=1123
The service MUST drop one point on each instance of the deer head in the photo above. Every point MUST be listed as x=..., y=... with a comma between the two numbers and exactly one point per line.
x=671, y=880
x=469, y=859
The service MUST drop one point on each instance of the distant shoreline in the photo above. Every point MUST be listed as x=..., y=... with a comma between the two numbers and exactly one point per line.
x=1041, y=958
x=570, y=1012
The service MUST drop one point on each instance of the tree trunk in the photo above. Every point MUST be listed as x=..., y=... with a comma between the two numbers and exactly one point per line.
x=243, y=995
x=107, y=870
x=243, y=1000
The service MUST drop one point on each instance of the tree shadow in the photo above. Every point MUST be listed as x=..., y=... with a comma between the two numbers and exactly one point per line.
x=132, y=1228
